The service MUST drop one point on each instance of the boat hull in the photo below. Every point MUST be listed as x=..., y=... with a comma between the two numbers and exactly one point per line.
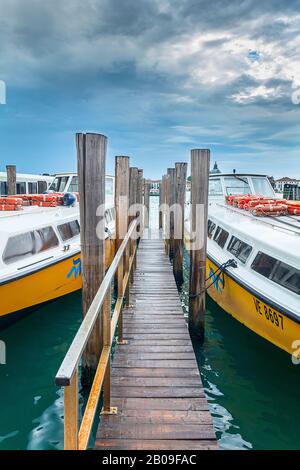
x=23, y=294
x=259, y=314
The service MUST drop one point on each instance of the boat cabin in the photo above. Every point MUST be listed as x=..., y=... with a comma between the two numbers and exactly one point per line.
x=221, y=185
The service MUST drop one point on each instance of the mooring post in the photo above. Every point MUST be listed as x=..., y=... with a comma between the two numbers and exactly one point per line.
x=171, y=202
x=133, y=198
x=180, y=190
x=140, y=191
x=198, y=242
x=167, y=215
x=160, y=203
x=91, y=157
x=42, y=187
x=147, y=185
x=121, y=205
x=11, y=171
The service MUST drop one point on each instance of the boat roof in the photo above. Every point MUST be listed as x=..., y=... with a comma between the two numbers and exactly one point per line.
x=217, y=175
x=278, y=236
x=28, y=176
x=34, y=216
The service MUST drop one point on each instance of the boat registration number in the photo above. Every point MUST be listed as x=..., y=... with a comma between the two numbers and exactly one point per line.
x=271, y=315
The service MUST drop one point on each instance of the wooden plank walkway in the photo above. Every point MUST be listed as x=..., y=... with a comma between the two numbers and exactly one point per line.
x=155, y=382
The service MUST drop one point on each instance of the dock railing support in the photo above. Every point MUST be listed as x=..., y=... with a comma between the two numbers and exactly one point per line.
x=122, y=206
x=198, y=241
x=11, y=171
x=180, y=190
x=91, y=157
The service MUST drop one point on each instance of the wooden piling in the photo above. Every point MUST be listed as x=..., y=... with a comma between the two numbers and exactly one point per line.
x=199, y=208
x=161, y=196
x=167, y=215
x=140, y=190
x=180, y=190
x=171, y=202
x=11, y=171
x=91, y=157
x=121, y=205
x=133, y=200
x=147, y=185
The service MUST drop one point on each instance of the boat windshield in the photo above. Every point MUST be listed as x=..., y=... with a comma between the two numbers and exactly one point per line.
x=236, y=185
x=262, y=187
x=59, y=184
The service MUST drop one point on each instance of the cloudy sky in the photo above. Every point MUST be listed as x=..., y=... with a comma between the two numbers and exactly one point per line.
x=158, y=77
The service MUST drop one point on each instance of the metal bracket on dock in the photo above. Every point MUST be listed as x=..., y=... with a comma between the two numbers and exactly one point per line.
x=112, y=411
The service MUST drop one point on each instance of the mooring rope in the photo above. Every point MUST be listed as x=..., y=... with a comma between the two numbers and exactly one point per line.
x=230, y=263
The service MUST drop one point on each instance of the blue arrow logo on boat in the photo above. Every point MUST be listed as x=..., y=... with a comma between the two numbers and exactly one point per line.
x=76, y=268
x=218, y=282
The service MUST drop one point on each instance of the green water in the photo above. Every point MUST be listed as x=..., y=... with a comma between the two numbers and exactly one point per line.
x=31, y=406
x=252, y=387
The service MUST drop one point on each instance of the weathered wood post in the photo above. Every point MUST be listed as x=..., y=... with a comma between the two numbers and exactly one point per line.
x=11, y=171
x=167, y=215
x=171, y=202
x=140, y=191
x=147, y=185
x=91, y=156
x=180, y=190
x=121, y=205
x=199, y=208
x=161, y=196
x=133, y=199
x=42, y=187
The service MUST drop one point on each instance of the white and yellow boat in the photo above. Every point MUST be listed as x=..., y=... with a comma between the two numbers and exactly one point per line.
x=40, y=255
x=263, y=290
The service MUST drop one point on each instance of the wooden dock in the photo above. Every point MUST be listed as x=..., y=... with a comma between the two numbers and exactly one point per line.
x=155, y=381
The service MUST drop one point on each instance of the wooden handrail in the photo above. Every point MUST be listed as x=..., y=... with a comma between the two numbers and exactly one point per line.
x=67, y=375
x=68, y=367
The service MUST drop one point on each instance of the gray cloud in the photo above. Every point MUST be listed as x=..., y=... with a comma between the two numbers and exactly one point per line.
x=169, y=66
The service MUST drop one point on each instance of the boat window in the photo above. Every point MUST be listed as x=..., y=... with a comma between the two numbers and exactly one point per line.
x=262, y=187
x=21, y=188
x=109, y=186
x=238, y=185
x=69, y=230
x=215, y=187
x=32, y=188
x=59, y=184
x=221, y=237
x=264, y=264
x=239, y=249
x=73, y=188
x=277, y=271
x=210, y=229
x=29, y=243
x=3, y=188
